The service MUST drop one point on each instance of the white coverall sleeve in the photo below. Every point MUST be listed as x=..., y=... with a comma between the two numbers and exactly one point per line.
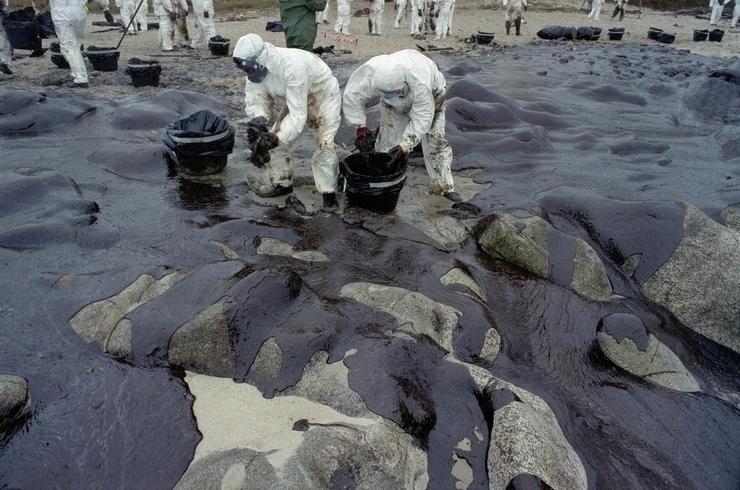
x=257, y=102
x=357, y=94
x=296, y=101
x=421, y=117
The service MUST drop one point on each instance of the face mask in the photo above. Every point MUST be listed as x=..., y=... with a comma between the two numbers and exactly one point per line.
x=255, y=71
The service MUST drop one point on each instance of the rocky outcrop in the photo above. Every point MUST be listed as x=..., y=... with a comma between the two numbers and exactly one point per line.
x=531, y=243
x=700, y=282
x=273, y=246
x=304, y=439
x=731, y=216
x=459, y=276
x=625, y=341
x=203, y=344
x=97, y=321
x=414, y=312
x=13, y=398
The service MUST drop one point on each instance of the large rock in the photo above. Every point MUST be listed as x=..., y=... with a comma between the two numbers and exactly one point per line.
x=624, y=340
x=526, y=437
x=97, y=321
x=529, y=241
x=414, y=312
x=700, y=282
x=273, y=246
x=203, y=344
x=13, y=397
x=294, y=442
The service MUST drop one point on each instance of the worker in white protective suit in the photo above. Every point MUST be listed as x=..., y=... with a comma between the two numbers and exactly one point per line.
x=343, y=17
x=167, y=15
x=6, y=51
x=140, y=21
x=127, y=9
x=70, y=21
x=735, y=14
x=595, y=9
x=717, y=7
x=515, y=8
x=323, y=16
x=619, y=9
x=400, y=13
x=418, y=12
x=204, y=25
x=412, y=94
x=375, y=18
x=443, y=24
x=304, y=85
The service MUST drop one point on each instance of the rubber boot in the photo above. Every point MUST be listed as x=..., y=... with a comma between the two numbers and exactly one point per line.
x=518, y=26
x=621, y=13
x=330, y=201
x=508, y=27
x=616, y=11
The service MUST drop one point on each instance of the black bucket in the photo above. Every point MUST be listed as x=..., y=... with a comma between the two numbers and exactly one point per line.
x=373, y=182
x=219, y=46
x=653, y=33
x=56, y=56
x=22, y=35
x=596, y=33
x=717, y=34
x=616, y=33
x=666, y=38
x=200, y=143
x=103, y=59
x=700, y=34
x=484, y=37
x=143, y=73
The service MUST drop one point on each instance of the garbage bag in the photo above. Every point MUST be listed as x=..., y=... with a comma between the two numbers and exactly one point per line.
x=274, y=26
x=201, y=134
x=557, y=32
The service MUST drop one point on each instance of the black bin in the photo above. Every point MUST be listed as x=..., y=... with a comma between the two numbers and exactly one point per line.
x=143, y=72
x=22, y=35
x=103, y=59
x=219, y=46
x=56, y=56
x=373, y=181
x=616, y=33
x=666, y=38
x=484, y=37
x=700, y=34
x=653, y=33
x=716, y=35
x=200, y=143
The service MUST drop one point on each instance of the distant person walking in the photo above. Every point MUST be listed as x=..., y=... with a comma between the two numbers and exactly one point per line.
x=735, y=14
x=717, y=6
x=595, y=9
x=514, y=8
x=619, y=9
x=299, y=22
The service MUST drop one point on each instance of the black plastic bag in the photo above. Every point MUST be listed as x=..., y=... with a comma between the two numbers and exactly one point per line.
x=274, y=26
x=201, y=142
x=557, y=32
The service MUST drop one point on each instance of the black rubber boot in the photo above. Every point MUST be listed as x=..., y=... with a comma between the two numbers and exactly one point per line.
x=5, y=69
x=616, y=11
x=276, y=191
x=621, y=13
x=518, y=26
x=330, y=201
x=508, y=27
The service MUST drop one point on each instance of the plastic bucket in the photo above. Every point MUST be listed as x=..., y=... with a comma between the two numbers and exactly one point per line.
x=484, y=37
x=653, y=33
x=700, y=34
x=373, y=182
x=22, y=35
x=717, y=34
x=666, y=38
x=596, y=33
x=200, y=143
x=219, y=46
x=616, y=33
x=103, y=59
x=143, y=72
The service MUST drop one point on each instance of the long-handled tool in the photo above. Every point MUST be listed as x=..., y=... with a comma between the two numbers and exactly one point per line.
x=133, y=18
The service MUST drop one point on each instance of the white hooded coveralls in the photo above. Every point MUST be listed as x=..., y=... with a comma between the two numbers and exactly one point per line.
x=418, y=12
x=417, y=116
x=70, y=21
x=375, y=19
x=141, y=15
x=6, y=51
x=717, y=8
x=595, y=10
x=515, y=8
x=204, y=26
x=443, y=25
x=323, y=16
x=305, y=85
x=165, y=10
x=400, y=13
x=343, y=17
x=127, y=9
x=736, y=14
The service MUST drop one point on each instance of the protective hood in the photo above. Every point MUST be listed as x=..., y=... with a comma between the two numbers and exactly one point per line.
x=249, y=55
x=391, y=82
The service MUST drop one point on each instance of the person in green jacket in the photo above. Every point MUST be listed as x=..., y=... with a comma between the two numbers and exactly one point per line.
x=299, y=22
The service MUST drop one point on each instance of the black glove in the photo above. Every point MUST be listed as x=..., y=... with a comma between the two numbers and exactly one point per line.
x=173, y=16
x=109, y=17
x=365, y=140
x=206, y=14
x=397, y=153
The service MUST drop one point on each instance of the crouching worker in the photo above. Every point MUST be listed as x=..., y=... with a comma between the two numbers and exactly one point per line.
x=305, y=86
x=412, y=94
